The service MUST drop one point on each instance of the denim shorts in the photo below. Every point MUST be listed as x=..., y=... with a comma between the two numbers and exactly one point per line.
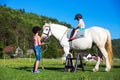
x=81, y=29
x=37, y=50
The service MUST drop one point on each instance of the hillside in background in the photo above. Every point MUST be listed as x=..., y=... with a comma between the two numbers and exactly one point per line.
x=116, y=47
x=16, y=26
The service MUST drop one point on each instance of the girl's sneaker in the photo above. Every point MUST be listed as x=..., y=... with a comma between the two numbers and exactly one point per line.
x=35, y=71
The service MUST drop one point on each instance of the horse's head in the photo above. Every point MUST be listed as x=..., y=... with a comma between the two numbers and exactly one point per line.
x=46, y=32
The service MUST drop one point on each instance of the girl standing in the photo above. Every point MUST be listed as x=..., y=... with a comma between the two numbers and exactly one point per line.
x=37, y=48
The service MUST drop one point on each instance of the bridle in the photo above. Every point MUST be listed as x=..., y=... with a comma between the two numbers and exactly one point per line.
x=47, y=32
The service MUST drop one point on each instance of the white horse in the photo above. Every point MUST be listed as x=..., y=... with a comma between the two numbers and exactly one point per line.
x=97, y=35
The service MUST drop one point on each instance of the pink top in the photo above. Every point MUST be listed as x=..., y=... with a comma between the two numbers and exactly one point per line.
x=35, y=41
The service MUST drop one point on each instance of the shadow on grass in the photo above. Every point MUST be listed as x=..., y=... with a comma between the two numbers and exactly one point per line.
x=29, y=69
x=116, y=66
x=56, y=69
x=25, y=68
x=87, y=68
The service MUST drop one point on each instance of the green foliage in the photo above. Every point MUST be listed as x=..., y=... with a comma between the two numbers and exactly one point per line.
x=16, y=26
x=52, y=50
x=116, y=47
x=1, y=53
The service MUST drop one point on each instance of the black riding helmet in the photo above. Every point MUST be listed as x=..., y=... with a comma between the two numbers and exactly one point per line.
x=78, y=16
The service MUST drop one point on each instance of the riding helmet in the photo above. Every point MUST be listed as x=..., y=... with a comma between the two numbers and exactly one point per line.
x=78, y=16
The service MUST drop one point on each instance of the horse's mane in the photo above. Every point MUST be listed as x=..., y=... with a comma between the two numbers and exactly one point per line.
x=59, y=26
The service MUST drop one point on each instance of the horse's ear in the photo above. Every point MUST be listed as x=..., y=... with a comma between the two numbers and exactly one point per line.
x=46, y=23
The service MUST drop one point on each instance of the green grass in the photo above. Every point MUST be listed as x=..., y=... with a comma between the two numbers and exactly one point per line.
x=20, y=69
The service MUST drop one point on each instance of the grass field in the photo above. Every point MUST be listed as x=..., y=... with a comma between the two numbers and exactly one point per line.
x=20, y=69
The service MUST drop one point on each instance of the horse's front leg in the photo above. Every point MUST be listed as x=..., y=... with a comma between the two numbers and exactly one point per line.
x=96, y=68
x=66, y=52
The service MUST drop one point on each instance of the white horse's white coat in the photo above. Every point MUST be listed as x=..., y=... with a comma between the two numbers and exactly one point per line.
x=100, y=36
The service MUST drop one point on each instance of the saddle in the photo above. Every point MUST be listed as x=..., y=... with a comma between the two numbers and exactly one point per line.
x=80, y=34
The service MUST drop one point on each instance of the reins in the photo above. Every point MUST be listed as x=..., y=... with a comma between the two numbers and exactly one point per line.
x=43, y=51
x=63, y=35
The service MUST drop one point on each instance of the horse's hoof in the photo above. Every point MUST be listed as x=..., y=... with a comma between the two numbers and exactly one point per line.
x=95, y=70
x=107, y=69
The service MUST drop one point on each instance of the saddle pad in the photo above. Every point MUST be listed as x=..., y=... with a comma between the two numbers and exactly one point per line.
x=78, y=35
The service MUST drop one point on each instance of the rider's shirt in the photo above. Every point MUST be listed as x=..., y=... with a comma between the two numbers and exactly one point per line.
x=82, y=24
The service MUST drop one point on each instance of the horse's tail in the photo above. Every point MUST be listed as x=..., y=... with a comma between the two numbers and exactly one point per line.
x=108, y=47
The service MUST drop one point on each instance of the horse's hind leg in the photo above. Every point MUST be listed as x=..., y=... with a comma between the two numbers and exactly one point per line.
x=105, y=54
x=98, y=61
x=96, y=68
